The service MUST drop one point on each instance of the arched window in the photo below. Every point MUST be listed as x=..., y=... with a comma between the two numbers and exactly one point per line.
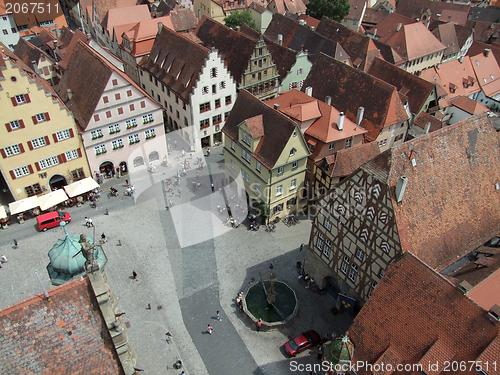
x=138, y=161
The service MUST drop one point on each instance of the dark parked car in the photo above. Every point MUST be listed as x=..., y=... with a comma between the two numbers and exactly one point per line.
x=301, y=343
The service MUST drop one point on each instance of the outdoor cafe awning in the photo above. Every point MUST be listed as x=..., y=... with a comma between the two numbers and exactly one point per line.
x=51, y=199
x=81, y=187
x=23, y=205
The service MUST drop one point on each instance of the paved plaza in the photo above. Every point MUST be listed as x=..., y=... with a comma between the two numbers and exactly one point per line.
x=189, y=265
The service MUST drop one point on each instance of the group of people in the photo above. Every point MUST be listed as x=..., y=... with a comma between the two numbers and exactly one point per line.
x=239, y=301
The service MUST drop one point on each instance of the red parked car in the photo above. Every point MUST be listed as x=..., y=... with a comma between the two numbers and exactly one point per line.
x=301, y=343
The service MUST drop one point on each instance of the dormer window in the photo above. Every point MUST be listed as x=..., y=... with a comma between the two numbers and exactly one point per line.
x=293, y=151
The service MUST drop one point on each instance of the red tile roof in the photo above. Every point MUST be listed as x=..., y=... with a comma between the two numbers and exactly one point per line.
x=456, y=169
x=468, y=105
x=176, y=61
x=478, y=47
x=424, y=118
x=415, y=88
x=487, y=72
x=416, y=314
x=487, y=293
x=415, y=8
x=446, y=34
x=350, y=88
x=278, y=128
x=67, y=335
x=346, y=161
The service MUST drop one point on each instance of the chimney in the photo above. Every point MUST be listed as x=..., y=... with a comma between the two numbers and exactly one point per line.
x=328, y=100
x=399, y=27
x=438, y=65
x=276, y=106
x=461, y=59
x=35, y=67
x=302, y=22
x=400, y=189
x=486, y=52
x=56, y=45
x=340, y=121
x=309, y=91
x=70, y=94
x=312, y=28
x=427, y=127
x=280, y=39
x=238, y=28
x=359, y=116
x=58, y=33
x=160, y=27
x=375, y=32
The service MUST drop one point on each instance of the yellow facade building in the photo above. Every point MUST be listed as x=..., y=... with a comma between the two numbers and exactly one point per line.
x=39, y=143
x=269, y=151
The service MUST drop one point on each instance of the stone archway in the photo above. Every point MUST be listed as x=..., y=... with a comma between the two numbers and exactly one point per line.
x=57, y=181
x=107, y=169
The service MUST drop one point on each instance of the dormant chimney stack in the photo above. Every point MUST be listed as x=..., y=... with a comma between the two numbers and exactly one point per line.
x=309, y=91
x=340, y=122
x=276, y=106
x=399, y=27
x=400, y=188
x=486, y=52
x=359, y=117
x=427, y=127
x=280, y=39
x=328, y=100
x=70, y=94
x=160, y=27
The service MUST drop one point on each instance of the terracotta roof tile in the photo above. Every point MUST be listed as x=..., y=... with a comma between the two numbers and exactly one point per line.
x=487, y=293
x=478, y=47
x=416, y=312
x=124, y=16
x=256, y=126
x=176, y=61
x=373, y=16
x=413, y=41
x=468, y=105
x=415, y=8
x=487, y=72
x=29, y=53
x=290, y=6
x=446, y=34
x=350, y=89
x=452, y=72
x=65, y=336
x=346, y=161
x=388, y=53
x=388, y=25
x=415, y=88
x=77, y=36
x=486, y=32
x=490, y=355
x=463, y=33
x=234, y=47
x=183, y=19
x=424, y=118
x=440, y=352
x=457, y=17
x=456, y=167
x=310, y=21
x=277, y=127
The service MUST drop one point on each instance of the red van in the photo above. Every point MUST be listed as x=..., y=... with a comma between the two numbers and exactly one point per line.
x=52, y=219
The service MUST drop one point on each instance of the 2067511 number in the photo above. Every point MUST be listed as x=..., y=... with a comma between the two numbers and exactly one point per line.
x=16, y=7
x=469, y=366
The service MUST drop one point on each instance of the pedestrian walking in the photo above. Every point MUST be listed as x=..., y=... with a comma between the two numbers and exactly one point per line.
x=180, y=192
x=217, y=316
x=175, y=143
x=134, y=274
x=3, y=259
x=103, y=238
x=320, y=351
x=126, y=181
x=212, y=186
x=209, y=329
x=301, y=247
x=259, y=324
x=88, y=222
x=16, y=245
x=190, y=155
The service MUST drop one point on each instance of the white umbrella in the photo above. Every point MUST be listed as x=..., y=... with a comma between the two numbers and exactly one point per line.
x=23, y=205
x=3, y=214
x=81, y=187
x=51, y=199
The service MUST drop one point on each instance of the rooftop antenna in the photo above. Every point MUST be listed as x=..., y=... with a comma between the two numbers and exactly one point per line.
x=411, y=152
x=44, y=291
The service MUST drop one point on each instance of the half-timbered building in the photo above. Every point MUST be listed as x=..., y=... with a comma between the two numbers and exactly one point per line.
x=435, y=196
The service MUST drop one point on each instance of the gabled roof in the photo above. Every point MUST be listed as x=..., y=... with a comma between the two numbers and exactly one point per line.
x=297, y=37
x=68, y=50
x=350, y=89
x=346, y=161
x=446, y=34
x=290, y=6
x=413, y=41
x=415, y=88
x=373, y=16
x=360, y=48
x=458, y=17
x=183, y=19
x=477, y=48
x=464, y=211
x=389, y=24
x=142, y=34
x=487, y=72
x=87, y=75
x=463, y=33
x=468, y=105
x=62, y=336
x=415, y=8
x=452, y=79
x=258, y=8
x=29, y=53
x=256, y=126
x=234, y=47
x=278, y=128
x=176, y=61
x=103, y=6
x=310, y=21
x=487, y=14
x=424, y=118
x=388, y=53
x=487, y=32
x=124, y=16
x=418, y=314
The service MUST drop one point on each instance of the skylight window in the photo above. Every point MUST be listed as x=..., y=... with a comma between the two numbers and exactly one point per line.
x=491, y=76
x=477, y=63
x=484, y=79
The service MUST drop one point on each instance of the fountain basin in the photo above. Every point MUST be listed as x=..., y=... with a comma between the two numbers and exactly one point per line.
x=256, y=307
